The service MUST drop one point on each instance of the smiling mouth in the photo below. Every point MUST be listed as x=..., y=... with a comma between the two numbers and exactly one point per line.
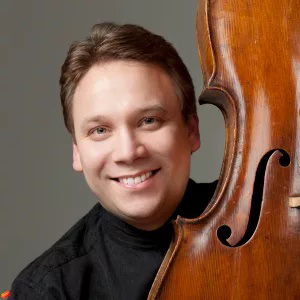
x=136, y=179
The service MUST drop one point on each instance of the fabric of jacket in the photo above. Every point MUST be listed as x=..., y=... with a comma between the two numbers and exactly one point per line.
x=102, y=257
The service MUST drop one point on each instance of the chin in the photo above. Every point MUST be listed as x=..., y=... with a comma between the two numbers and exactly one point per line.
x=142, y=215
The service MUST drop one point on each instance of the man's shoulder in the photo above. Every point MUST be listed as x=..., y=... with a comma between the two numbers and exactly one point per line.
x=207, y=189
x=76, y=243
x=203, y=190
x=196, y=199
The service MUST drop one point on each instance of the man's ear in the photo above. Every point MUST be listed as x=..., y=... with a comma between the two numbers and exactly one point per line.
x=76, y=159
x=194, y=134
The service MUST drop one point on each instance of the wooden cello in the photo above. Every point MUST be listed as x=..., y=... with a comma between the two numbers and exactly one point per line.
x=246, y=245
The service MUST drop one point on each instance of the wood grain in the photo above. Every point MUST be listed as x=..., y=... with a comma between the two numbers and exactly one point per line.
x=250, y=57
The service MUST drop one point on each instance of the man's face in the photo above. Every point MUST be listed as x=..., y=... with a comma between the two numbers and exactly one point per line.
x=131, y=141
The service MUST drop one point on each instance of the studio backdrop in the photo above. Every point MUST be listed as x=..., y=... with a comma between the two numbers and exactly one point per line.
x=41, y=196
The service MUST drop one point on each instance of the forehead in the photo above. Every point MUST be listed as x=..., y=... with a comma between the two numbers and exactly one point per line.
x=124, y=85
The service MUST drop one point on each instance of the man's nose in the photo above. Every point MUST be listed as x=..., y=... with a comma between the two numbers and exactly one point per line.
x=128, y=147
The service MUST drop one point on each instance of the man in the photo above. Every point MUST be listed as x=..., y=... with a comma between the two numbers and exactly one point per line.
x=128, y=102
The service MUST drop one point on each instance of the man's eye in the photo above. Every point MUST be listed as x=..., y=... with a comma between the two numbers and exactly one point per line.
x=149, y=120
x=99, y=130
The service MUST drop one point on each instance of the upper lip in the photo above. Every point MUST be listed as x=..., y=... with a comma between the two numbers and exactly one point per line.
x=134, y=175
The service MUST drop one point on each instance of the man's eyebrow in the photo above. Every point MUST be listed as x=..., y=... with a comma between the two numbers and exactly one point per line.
x=93, y=119
x=104, y=119
x=154, y=108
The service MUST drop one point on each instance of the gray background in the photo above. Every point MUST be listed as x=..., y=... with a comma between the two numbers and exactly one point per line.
x=41, y=196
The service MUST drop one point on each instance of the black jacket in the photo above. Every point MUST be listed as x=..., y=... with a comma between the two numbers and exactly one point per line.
x=102, y=257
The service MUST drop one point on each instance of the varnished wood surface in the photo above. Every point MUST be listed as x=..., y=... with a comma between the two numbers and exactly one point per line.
x=250, y=57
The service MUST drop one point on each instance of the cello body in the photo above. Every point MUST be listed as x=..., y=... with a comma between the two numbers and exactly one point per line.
x=246, y=245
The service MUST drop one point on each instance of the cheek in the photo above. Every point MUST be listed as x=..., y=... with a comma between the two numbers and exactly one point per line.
x=171, y=143
x=93, y=157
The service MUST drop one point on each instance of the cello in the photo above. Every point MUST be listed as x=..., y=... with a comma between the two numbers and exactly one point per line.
x=246, y=244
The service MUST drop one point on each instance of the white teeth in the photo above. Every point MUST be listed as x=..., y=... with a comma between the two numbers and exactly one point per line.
x=130, y=181
x=137, y=179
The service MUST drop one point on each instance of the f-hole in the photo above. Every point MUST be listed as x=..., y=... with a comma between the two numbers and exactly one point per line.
x=224, y=232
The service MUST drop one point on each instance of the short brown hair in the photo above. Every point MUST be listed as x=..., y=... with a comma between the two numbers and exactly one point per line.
x=109, y=41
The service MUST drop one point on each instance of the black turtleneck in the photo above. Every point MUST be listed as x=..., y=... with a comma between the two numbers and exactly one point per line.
x=102, y=257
